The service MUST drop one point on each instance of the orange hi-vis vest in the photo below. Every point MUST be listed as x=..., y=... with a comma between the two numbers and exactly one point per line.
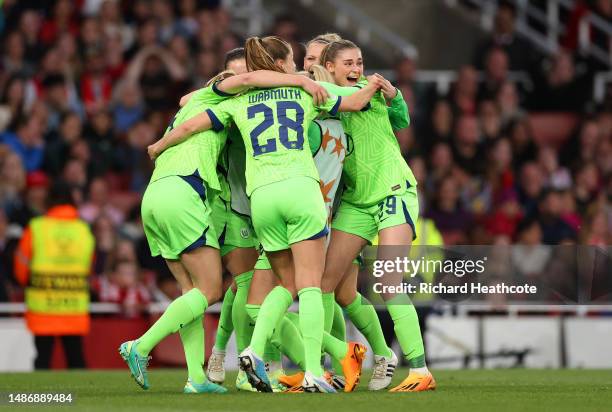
x=57, y=295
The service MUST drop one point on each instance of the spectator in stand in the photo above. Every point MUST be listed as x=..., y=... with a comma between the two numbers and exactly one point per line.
x=13, y=55
x=27, y=142
x=490, y=120
x=453, y=222
x=98, y=204
x=464, y=92
x=530, y=187
x=29, y=26
x=440, y=165
x=521, y=54
x=75, y=174
x=60, y=96
x=12, y=179
x=122, y=284
x=416, y=94
x=128, y=108
x=440, y=128
x=187, y=24
x=467, y=149
x=13, y=102
x=63, y=20
x=67, y=51
x=96, y=84
x=157, y=73
x=58, y=149
x=35, y=199
x=597, y=229
x=495, y=74
x=523, y=147
x=163, y=13
x=554, y=229
x=286, y=27
x=507, y=100
x=560, y=89
x=586, y=186
x=558, y=177
x=102, y=142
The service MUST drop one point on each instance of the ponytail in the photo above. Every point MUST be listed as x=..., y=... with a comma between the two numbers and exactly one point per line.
x=261, y=54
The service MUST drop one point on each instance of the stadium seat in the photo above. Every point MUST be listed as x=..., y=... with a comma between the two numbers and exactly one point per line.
x=552, y=128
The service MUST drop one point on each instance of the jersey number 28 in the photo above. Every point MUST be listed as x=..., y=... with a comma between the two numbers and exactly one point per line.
x=284, y=125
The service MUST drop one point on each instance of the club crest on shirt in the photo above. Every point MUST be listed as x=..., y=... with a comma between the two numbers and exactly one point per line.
x=245, y=232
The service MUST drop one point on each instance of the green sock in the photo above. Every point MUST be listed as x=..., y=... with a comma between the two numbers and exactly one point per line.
x=252, y=311
x=336, y=348
x=407, y=330
x=288, y=340
x=243, y=325
x=294, y=318
x=338, y=331
x=225, y=327
x=311, y=327
x=271, y=352
x=192, y=336
x=364, y=317
x=180, y=312
x=329, y=299
x=272, y=310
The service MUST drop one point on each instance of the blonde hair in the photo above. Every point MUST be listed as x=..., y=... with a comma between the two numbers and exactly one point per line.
x=221, y=76
x=325, y=38
x=330, y=52
x=321, y=74
x=261, y=54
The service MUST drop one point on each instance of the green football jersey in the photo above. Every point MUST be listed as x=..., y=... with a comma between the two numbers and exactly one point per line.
x=274, y=127
x=201, y=151
x=374, y=167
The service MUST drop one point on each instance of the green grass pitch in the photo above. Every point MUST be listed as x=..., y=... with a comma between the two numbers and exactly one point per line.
x=472, y=390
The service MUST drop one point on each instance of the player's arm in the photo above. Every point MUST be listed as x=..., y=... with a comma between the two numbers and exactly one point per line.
x=267, y=78
x=361, y=98
x=179, y=134
x=398, y=110
x=186, y=98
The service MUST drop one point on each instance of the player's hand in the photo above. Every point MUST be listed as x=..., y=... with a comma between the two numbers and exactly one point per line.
x=376, y=81
x=153, y=150
x=388, y=90
x=319, y=93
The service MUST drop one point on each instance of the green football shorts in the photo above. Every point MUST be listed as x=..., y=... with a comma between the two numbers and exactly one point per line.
x=288, y=212
x=176, y=216
x=234, y=229
x=367, y=221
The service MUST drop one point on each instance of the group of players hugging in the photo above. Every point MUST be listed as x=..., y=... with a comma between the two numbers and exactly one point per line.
x=281, y=178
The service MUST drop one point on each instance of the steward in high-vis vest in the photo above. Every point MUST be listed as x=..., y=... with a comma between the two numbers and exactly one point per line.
x=53, y=261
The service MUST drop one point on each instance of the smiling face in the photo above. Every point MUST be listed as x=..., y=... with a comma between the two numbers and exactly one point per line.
x=346, y=67
x=313, y=53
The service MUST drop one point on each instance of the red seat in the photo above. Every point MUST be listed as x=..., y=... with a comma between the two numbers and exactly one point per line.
x=552, y=129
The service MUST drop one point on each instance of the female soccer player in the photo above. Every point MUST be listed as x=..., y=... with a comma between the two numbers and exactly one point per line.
x=176, y=213
x=288, y=211
x=328, y=143
x=380, y=197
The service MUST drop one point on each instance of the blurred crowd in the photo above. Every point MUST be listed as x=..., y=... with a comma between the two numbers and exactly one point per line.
x=86, y=85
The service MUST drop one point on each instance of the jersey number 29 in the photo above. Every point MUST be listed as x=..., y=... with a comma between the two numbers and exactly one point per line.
x=284, y=125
